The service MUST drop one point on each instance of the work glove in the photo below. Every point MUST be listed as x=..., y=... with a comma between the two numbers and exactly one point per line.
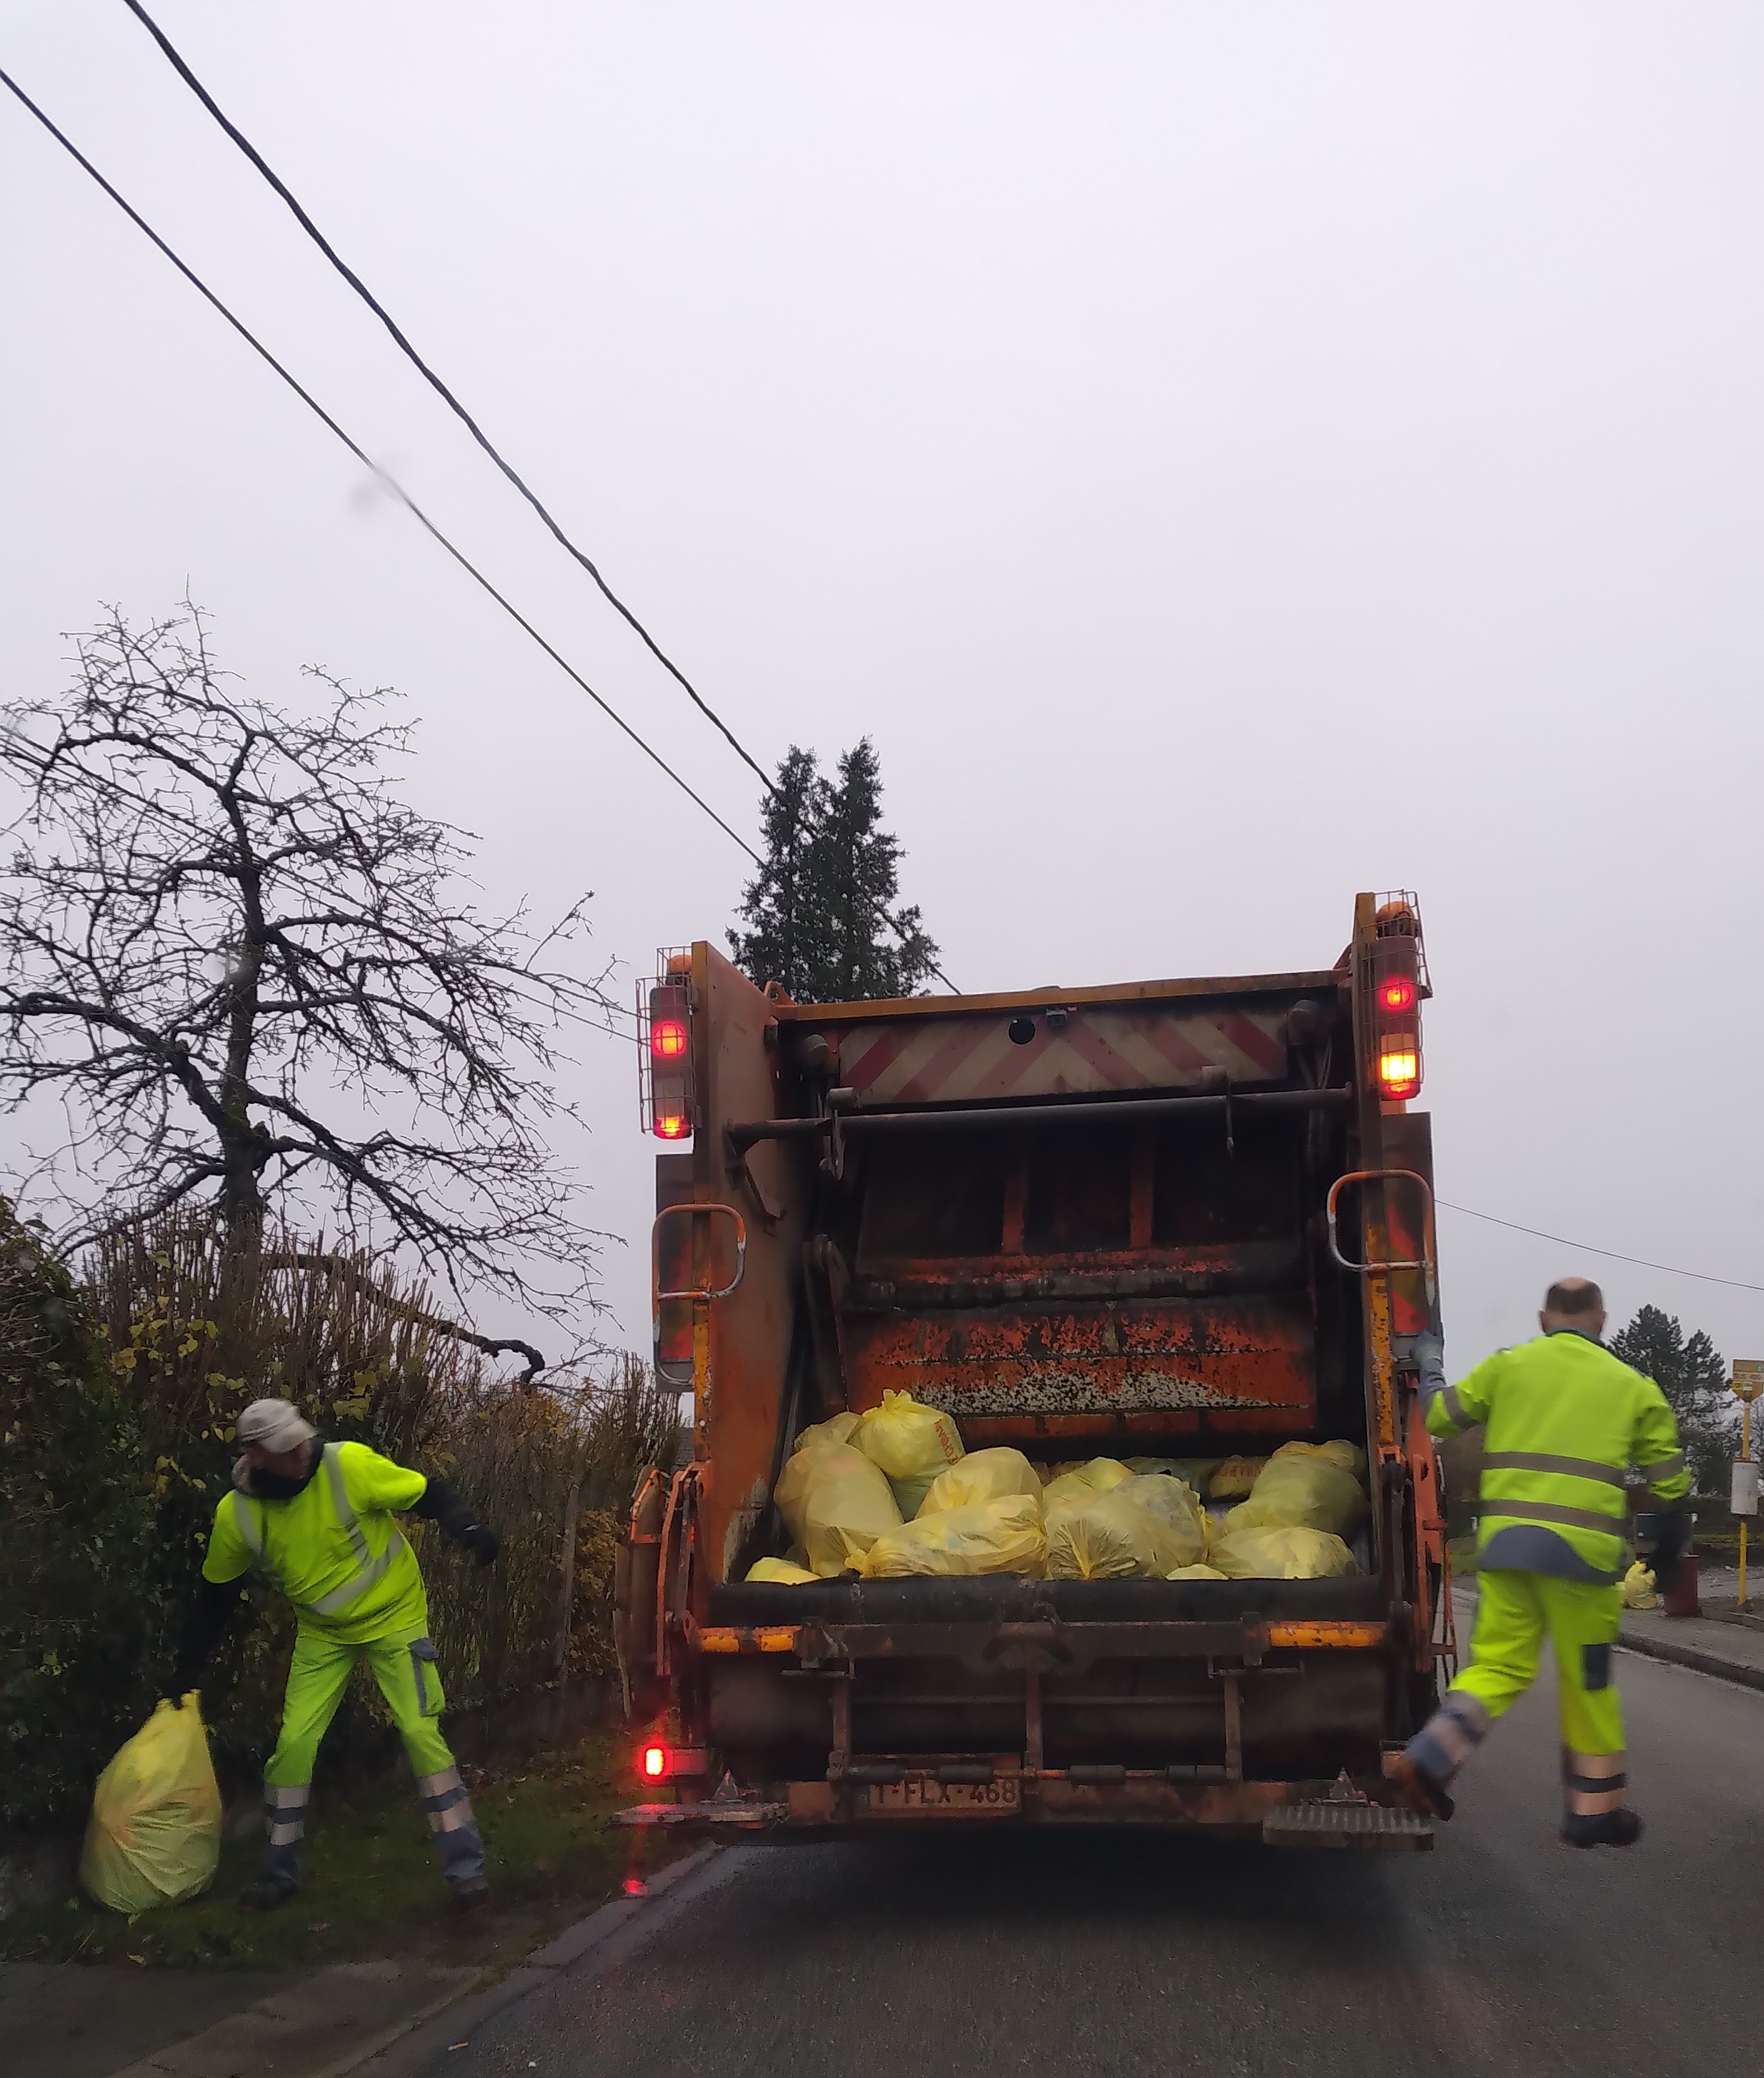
x=483, y=1544
x=1428, y=1349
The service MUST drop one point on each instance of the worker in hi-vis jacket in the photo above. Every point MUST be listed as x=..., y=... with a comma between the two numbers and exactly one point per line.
x=1565, y=1421
x=316, y=1518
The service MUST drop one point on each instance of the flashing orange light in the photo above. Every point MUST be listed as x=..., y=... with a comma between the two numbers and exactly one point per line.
x=667, y=1039
x=655, y=1763
x=1399, y=1072
x=1397, y=993
x=672, y=1125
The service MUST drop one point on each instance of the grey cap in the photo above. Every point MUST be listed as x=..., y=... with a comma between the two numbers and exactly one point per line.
x=273, y=1424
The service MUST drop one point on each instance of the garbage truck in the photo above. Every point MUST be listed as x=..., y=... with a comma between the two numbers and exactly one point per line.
x=1162, y=1219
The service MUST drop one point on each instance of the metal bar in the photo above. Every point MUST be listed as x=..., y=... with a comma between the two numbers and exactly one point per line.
x=1033, y=1755
x=1234, y=1729
x=1178, y=1639
x=1017, y=1116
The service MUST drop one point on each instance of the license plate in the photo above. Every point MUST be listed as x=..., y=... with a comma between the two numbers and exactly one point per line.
x=924, y=1792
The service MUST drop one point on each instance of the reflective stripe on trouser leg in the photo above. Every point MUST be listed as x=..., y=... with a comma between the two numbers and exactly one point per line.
x=1583, y=1623
x=317, y=1674
x=1449, y=1737
x=285, y=1832
x=457, y=1840
x=413, y=1703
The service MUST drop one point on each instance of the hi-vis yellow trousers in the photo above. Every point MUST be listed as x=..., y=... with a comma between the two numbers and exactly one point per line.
x=1514, y=1610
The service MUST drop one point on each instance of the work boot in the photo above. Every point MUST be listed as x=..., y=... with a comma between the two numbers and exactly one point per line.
x=1415, y=1788
x=470, y=1894
x=265, y=1894
x=1621, y=1828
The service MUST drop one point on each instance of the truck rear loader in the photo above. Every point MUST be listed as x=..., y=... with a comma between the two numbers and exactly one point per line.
x=1169, y=1218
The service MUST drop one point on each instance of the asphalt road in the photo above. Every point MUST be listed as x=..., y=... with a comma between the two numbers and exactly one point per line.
x=1501, y=1952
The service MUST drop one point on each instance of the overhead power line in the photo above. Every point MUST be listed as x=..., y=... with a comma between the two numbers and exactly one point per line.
x=439, y=387
x=361, y=456
x=1702, y=1276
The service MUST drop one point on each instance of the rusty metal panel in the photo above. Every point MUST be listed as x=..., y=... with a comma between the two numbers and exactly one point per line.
x=749, y=1332
x=1114, y=1367
x=956, y=1059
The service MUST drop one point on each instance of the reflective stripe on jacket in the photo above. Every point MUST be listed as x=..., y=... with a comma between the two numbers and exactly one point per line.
x=1564, y=1419
x=333, y=1548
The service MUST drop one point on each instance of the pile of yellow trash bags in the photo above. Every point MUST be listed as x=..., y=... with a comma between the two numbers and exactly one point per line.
x=893, y=1492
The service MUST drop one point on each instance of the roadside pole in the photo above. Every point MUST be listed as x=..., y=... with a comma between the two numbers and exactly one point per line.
x=1748, y=1383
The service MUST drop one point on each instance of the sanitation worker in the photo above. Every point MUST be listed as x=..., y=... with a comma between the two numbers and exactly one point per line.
x=1565, y=1420
x=316, y=1518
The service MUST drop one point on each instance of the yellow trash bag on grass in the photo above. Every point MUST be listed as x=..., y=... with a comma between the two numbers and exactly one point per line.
x=1173, y=1502
x=1638, y=1589
x=1298, y=1489
x=1000, y=1536
x=835, y=1503
x=911, y=1443
x=981, y=1476
x=154, y=1836
x=1281, y=1554
x=780, y=1573
x=1109, y=1537
x=1073, y=1483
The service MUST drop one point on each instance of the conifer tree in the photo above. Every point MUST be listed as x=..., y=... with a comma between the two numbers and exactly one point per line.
x=1689, y=1371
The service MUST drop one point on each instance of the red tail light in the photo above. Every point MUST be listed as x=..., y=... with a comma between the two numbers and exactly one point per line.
x=664, y=1058
x=1397, y=990
x=655, y=1763
x=1396, y=993
x=672, y=1125
x=668, y=1038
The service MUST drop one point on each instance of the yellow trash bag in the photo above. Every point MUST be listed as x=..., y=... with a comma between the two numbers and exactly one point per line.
x=835, y=1503
x=1233, y=1479
x=1299, y=1490
x=1000, y=1536
x=981, y=1476
x=1079, y=1482
x=1173, y=1502
x=1108, y=1537
x=911, y=1443
x=1281, y=1554
x=780, y=1572
x=1197, y=1573
x=154, y=1836
x=1349, y=1457
x=836, y=1429
x=1637, y=1590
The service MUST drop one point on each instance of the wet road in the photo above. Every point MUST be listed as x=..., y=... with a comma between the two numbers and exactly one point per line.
x=1502, y=1952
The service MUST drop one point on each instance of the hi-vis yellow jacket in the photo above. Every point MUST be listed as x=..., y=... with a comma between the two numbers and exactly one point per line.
x=1565, y=1420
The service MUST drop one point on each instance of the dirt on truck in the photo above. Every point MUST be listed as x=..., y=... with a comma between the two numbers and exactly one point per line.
x=1182, y=1220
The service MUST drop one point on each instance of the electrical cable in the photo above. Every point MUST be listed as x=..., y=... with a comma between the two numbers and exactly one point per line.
x=1702, y=1276
x=438, y=385
x=281, y=187
x=384, y=476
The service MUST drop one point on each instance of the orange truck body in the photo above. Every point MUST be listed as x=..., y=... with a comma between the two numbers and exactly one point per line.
x=1176, y=1218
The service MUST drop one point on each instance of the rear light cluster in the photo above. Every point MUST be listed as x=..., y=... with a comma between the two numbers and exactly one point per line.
x=665, y=1041
x=658, y=1761
x=1399, y=983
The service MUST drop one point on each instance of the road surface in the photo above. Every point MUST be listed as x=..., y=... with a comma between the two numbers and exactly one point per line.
x=1502, y=1952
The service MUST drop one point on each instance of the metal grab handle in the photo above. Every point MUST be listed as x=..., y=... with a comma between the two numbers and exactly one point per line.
x=696, y=1291
x=1426, y=1265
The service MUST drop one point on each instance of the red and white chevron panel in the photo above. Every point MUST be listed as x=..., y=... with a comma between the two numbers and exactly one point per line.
x=966, y=1059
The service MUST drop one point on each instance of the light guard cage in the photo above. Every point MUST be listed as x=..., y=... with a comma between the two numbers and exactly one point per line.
x=673, y=970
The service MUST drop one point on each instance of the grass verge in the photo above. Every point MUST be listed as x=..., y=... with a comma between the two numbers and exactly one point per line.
x=372, y=1889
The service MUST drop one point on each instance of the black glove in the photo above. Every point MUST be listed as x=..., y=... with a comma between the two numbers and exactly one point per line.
x=483, y=1544
x=447, y=1510
x=205, y=1619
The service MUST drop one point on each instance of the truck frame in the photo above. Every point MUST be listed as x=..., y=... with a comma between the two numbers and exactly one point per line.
x=1184, y=1217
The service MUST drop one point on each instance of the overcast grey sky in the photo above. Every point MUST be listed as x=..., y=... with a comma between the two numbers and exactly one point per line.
x=1225, y=455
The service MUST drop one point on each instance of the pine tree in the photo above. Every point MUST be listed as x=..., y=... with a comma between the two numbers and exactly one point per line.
x=787, y=940
x=819, y=911
x=1689, y=1371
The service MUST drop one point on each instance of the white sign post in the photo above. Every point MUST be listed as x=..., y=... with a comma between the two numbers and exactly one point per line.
x=1748, y=1383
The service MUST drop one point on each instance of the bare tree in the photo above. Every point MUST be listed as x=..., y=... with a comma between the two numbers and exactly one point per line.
x=249, y=970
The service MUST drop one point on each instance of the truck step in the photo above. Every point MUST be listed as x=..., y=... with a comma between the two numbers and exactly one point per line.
x=1332, y=1823
x=701, y=1817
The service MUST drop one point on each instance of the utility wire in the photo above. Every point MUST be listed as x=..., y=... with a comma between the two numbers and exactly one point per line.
x=465, y=418
x=437, y=385
x=390, y=482
x=1702, y=1276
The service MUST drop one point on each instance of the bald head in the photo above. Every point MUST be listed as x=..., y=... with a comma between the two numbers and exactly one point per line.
x=1574, y=1304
